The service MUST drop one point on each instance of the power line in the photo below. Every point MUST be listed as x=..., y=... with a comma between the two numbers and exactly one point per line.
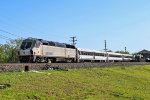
x=9, y=33
x=73, y=40
x=6, y=18
x=22, y=28
x=4, y=37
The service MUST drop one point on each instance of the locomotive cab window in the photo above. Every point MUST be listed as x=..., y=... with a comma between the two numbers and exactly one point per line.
x=26, y=45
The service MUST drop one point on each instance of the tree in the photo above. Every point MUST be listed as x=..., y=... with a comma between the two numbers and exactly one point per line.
x=9, y=51
x=109, y=50
x=122, y=52
x=2, y=53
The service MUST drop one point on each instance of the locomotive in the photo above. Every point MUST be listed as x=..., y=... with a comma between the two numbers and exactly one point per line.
x=39, y=50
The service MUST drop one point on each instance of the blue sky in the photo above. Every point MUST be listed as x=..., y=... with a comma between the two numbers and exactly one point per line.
x=120, y=22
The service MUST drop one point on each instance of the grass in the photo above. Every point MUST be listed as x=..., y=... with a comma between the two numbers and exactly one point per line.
x=115, y=83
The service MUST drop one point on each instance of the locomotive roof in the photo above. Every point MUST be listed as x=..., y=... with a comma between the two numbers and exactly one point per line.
x=52, y=43
x=58, y=44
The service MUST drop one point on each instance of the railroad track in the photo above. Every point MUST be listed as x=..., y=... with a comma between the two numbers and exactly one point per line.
x=62, y=66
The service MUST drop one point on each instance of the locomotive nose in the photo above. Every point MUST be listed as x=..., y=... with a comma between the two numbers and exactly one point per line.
x=26, y=52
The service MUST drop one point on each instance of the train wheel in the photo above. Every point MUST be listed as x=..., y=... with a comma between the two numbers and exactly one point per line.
x=53, y=60
x=46, y=60
x=38, y=60
x=73, y=60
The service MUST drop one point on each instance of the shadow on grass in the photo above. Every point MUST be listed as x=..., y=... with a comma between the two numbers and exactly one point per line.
x=120, y=95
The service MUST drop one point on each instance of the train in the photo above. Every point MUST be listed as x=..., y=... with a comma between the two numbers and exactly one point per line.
x=39, y=50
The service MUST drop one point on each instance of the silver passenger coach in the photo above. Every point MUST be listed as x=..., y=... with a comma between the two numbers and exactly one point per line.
x=39, y=50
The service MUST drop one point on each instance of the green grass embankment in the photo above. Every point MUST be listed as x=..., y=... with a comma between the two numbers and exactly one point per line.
x=115, y=83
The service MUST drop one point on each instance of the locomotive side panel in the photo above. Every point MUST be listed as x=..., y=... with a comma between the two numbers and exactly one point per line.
x=50, y=51
x=70, y=53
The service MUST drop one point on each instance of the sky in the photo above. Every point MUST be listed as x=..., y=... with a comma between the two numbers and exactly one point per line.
x=122, y=23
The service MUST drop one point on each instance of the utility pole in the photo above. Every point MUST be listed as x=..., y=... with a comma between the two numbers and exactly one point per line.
x=125, y=49
x=105, y=46
x=73, y=40
x=106, y=55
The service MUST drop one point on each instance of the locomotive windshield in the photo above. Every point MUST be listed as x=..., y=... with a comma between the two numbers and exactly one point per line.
x=26, y=44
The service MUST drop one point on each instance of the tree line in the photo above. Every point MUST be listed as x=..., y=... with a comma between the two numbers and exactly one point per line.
x=9, y=51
